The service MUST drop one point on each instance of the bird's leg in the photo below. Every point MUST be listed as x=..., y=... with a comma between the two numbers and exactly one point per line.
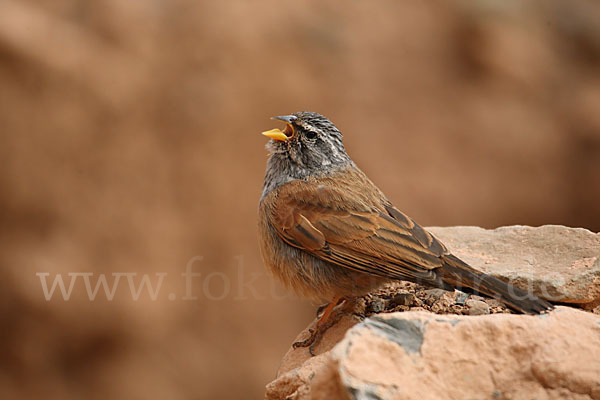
x=321, y=308
x=323, y=323
x=324, y=306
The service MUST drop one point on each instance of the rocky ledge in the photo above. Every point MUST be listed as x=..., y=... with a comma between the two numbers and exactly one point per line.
x=558, y=263
x=410, y=342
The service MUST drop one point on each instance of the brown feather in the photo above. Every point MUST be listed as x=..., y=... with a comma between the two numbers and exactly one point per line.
x=362, y=236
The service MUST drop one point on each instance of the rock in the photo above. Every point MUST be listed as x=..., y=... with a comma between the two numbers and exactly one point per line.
x=444, y=303
x=417, y=354
x=477, y=307
x=461, y=298
x=420, y=355
x=435, y=294
x=403, y=299
x=376, y=305
x=558, y=263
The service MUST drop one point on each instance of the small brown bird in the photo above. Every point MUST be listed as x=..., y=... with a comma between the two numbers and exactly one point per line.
x=328, y=232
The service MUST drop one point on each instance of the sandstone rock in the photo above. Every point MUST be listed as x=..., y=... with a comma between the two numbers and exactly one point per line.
x=420, y=355
x=477, y=307
x=403, y=299
x=423, y=355
x=558, y=263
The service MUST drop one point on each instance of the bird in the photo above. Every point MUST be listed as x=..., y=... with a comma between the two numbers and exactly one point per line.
x=327, y=232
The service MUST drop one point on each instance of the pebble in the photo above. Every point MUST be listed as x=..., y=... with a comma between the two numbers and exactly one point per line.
x=435, y=293
x=375, y=306
x=477, y=307
x=461, y=298
x=402, y=299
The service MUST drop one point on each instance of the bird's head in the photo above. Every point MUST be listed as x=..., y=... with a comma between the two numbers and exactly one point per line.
x=309, y=142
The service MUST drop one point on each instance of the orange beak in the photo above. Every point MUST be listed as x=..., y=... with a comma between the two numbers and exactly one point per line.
x=286, y=134
x=276, y=134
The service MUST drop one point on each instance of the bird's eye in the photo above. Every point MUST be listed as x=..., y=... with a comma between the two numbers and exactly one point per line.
x=310, y=134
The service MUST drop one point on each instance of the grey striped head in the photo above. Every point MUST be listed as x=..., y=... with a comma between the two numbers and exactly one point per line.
x=310, y=145
x=310, y=141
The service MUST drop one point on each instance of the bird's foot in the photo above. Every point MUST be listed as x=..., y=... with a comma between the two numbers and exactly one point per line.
x=316, y=333
x=330, y=316
x=320, y=309
x=324, y=306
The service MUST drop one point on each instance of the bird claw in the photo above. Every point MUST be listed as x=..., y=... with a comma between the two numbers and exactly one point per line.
x=310, y=342
x=317, y=333
x=320, y=309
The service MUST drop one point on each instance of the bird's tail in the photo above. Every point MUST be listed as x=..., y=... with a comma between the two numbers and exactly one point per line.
x=461, y=276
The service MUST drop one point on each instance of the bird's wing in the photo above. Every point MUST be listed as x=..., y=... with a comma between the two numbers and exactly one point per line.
x=353, y=230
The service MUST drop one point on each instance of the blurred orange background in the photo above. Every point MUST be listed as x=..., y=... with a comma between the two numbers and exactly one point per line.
x=129, y=140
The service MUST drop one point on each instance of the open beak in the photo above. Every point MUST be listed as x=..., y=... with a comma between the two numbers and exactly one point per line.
x=286, y=134
x=276, y=134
